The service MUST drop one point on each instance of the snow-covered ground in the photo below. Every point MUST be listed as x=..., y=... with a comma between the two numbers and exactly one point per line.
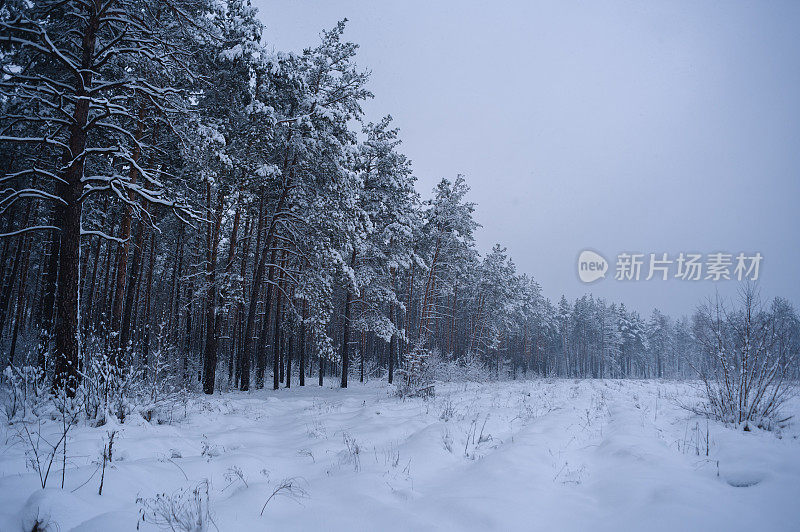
x=533, y=455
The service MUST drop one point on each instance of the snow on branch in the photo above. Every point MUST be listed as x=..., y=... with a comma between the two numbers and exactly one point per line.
x=28, y=229
x=101, y=234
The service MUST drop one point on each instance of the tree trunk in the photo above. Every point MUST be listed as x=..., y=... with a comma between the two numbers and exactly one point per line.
x=427, y=299
x=8, y=288
x=67, y=348
x=240, y=308
x=228, y=268
x=407, y=315
x=103, y=312
x=276, y=343
x=6, y=242
x=20, y=298
x=392, y=344
x=301, y=345
x=247, y=339
x=175, y=289
x=19, y=258
x=69, y=189
x=363, y=345
x=126, y=324
x=48, y=301
x=346, y=337
x=451, y=341
x=188, y=330
x=256, y=290
x=212, y=245
x=47, y=292
x=288, y=348
x=147, y=298
x=261, y=352
x=117, y=307
x=92, y=283
x=95, y=261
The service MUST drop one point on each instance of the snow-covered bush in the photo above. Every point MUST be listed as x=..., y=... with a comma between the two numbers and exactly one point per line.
x=466, y=368
x=19, y=387
x=415, y=378
x=119, y=391
x=425, y=367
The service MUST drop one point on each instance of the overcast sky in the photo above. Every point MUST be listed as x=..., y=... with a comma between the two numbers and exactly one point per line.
x=649, y=127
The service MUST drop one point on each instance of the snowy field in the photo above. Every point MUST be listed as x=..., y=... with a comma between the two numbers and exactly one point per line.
x=534, y=455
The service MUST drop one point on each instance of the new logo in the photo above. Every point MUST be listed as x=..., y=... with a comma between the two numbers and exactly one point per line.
x=591, y=266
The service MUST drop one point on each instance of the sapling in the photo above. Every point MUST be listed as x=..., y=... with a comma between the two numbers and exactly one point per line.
x=41, y=453
x=107, y=457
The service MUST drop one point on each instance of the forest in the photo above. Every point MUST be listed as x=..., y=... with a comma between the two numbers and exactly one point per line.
x=183, y=202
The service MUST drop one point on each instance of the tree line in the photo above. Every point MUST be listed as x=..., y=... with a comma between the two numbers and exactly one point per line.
x=181, y=199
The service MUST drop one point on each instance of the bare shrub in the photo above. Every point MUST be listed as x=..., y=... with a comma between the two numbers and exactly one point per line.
x=747, y=363
x=42, y=450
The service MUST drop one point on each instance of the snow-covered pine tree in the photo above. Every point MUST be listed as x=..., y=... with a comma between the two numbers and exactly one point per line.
x=388, y=203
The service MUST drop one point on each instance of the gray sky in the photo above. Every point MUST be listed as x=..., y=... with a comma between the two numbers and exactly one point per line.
x=616, y=126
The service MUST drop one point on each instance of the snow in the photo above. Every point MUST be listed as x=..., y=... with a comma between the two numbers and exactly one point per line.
x=542, y=454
